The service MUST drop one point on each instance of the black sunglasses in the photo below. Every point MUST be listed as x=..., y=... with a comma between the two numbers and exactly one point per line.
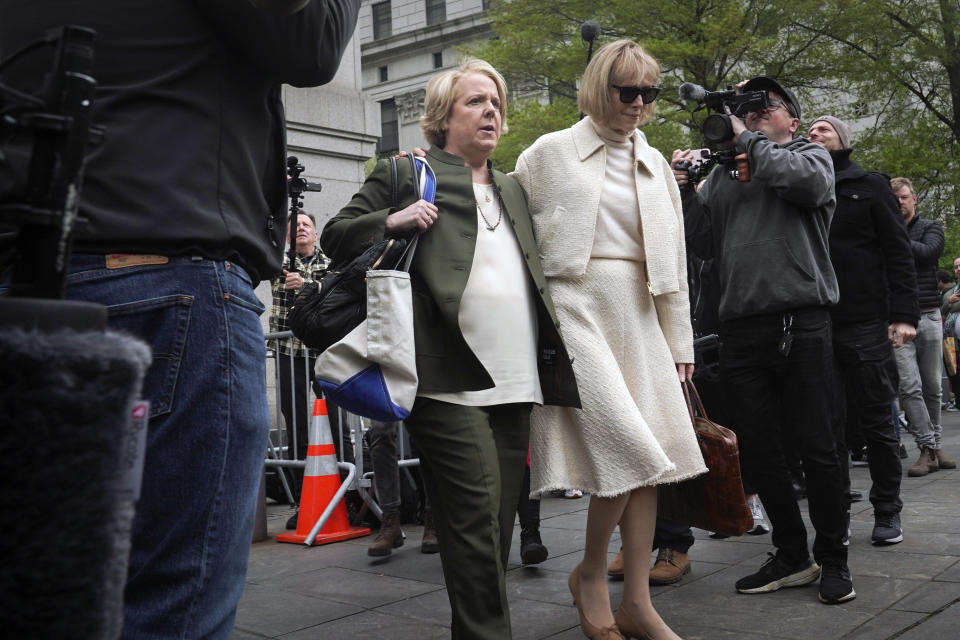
x=629, y=94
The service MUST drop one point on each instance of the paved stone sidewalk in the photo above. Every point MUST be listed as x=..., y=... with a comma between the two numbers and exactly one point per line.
x=909, y=591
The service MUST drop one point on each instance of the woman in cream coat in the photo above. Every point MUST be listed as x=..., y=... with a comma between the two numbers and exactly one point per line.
x=609, y=225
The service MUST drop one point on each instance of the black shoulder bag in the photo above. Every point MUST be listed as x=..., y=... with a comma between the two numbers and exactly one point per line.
x=325, y=311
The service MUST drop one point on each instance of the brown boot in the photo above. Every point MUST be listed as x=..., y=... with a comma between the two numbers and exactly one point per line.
x=429, y=543
x=615, y=570
x=926, y=463
x=670, y=566
x=389, y=537
x=943, y=462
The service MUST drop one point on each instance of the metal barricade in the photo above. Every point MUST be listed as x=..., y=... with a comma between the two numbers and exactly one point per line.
x=347, y=429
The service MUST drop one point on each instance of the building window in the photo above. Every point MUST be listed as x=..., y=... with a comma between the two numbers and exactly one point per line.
x=485, y=5
x=381, y=20
x=383, y=74
x=436, y=11
x=438, y=60
x=389, y=129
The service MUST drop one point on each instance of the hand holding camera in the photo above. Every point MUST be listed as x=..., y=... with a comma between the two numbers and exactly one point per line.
x=722, y=129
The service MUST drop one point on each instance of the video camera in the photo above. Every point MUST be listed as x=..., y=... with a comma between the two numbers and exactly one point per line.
x=717, y=130
x=296, y=186
x=53, y=130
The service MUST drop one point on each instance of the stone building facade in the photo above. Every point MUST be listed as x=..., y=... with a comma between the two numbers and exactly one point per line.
x=333, y=130
x=403, y=43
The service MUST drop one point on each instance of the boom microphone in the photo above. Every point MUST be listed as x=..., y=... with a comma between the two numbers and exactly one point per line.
x=690, y=92
x=589, y=31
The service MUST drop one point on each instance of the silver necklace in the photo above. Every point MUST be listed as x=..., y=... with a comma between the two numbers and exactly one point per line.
x=486, y=197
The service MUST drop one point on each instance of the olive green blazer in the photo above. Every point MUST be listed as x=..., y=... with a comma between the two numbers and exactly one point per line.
x=441, y=268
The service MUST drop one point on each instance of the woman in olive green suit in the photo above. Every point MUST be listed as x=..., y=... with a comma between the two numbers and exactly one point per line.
x=486, y=334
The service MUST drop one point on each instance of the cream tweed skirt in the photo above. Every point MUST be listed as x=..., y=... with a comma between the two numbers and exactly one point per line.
x=633, y=430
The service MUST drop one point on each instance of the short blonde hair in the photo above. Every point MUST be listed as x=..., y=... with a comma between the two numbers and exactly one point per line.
x=441, y=94
x=899, y=183
x=615, y=63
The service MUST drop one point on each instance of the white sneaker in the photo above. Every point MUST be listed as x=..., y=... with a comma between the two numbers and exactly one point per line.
x=573, y=493
x=760, y=525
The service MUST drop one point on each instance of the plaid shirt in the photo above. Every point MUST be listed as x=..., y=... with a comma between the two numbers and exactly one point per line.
x=311, y=268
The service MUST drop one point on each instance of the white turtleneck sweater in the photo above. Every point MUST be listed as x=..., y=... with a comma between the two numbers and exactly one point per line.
x=619, y=234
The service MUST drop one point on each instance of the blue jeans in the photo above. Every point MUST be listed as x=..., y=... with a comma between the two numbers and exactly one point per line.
x=206, y=439
x=919, y=364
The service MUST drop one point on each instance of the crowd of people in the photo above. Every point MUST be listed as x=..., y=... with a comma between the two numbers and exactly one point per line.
x=818, y=349
x=553, y=317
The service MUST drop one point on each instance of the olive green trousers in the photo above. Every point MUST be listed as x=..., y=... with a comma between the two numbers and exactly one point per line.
x=472, y=459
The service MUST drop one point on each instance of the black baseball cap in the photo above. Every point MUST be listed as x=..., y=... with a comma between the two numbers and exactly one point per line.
x=765, y=83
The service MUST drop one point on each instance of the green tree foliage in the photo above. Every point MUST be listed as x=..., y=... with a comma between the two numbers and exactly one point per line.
x=892, y=67
x=896, y=65
x=702, y=41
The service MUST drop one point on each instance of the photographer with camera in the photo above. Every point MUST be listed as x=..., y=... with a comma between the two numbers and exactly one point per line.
x=295, y=361
x=768, y=237
x=186, y=206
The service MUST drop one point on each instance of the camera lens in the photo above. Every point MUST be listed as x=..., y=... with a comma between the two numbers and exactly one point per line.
x=716, y=128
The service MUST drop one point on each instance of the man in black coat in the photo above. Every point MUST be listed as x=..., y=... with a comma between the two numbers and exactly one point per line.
x=185, y=203
x=877, y=313
x=920, y=365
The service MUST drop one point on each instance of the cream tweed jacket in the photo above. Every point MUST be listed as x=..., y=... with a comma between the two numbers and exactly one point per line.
x=564, y=205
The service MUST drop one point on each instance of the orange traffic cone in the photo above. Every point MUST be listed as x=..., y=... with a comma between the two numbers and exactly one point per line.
x=321, y=480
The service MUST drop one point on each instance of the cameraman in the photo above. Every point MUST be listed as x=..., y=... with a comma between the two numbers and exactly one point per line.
x=186, y=202
x=768, y=237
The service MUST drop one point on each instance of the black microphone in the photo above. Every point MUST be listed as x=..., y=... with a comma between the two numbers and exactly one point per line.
x=690, y=92
x=589, y=31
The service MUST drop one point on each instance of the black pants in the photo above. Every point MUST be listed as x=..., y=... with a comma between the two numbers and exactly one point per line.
x=671, y=535
x=528, y=510
x=294, y=392
x=769, y=391
x=863, y=357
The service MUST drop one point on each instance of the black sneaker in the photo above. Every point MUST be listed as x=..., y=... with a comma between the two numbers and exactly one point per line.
x=532, y=550
x=903, y=452
x=775, y=574
x=886, y=528
x=835, y=583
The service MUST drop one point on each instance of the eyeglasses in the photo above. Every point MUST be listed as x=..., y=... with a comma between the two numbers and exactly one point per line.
x=629, y=94
x=773, y=105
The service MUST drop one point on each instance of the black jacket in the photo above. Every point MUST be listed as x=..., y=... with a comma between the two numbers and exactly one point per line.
x=926, y=241
x=870, y=249
x=193, y=159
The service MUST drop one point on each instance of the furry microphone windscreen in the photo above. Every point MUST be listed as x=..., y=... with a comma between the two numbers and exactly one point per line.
x=72, y=455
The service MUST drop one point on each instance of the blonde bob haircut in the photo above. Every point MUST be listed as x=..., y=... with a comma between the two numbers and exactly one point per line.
x=441, y=94
x=623, y=62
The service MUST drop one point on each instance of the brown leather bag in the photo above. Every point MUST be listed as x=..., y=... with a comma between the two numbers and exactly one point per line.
x=715, y=500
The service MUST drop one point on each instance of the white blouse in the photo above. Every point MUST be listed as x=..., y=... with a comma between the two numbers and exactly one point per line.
x=498, y=315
